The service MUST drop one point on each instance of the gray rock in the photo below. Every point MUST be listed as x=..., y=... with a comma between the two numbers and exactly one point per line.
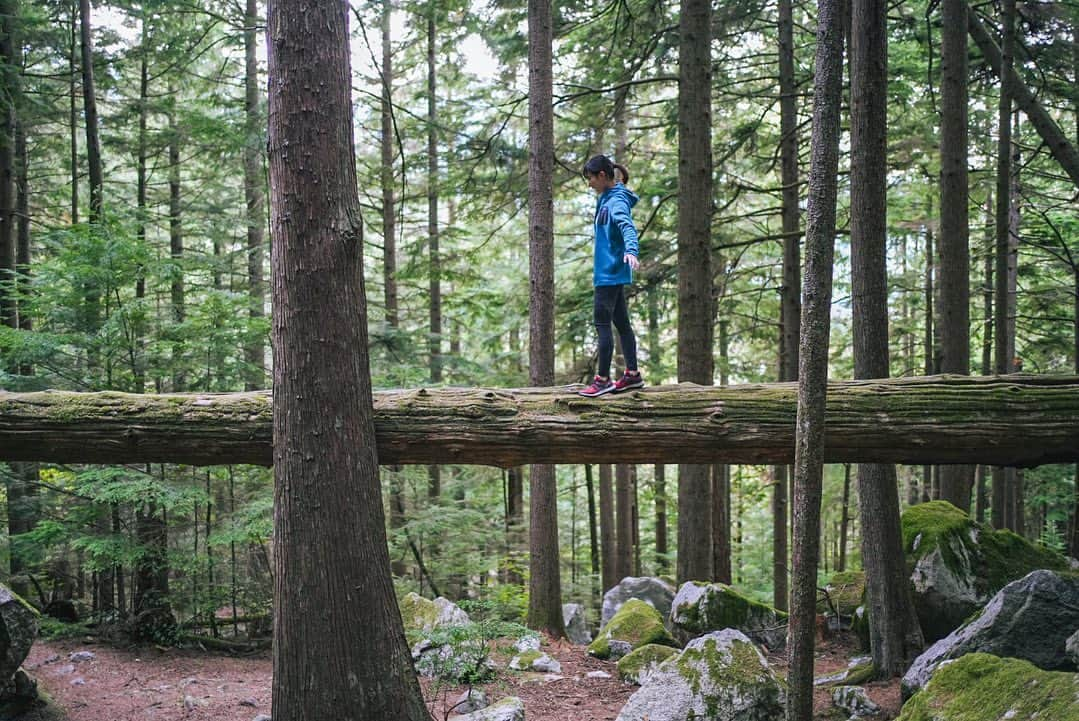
x=527, y=643
x=263, y=717
x=597, y=674
x=701, y=608
x=471, y=700
x=66, y=669
x=508, y=709
x=656, y=592
x=18, y=628
x=853, y=700
x=1071, y=647
x=80, y=656
x=857, y=665
x=1029, y=619
x=721, y=677
x=421, y=614
x=78, y=681
x=465, y=660
x=250, y=702
x=535, y=661
x=576, y=624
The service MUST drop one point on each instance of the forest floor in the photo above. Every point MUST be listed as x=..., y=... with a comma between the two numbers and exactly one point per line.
x=148, y=682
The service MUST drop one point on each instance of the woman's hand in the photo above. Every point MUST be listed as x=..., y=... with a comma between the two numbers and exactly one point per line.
x=631, y=260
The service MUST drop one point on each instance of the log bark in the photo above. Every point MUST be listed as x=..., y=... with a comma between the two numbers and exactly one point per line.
x=1018, y=420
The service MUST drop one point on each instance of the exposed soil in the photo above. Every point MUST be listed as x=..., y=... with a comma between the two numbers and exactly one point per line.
x=194, y=685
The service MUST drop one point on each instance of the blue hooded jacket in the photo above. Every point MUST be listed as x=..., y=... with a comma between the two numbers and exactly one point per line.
x=615, y=235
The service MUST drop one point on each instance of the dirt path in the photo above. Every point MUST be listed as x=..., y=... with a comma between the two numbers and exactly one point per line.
x=193, y=685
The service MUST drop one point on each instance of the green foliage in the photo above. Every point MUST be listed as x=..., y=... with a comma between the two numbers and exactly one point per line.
x=53, y=630
x=461, y=654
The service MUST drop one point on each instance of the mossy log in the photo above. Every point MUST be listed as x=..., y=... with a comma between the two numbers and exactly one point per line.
x=1010, y=420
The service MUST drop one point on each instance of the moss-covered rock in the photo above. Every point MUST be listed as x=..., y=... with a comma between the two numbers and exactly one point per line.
x=981, y=687
x=508, y=709
x=957, y=564
x=859, y=623
x=636, y=624
x=656, y=592
x=636, y=665
x=846, y=591
x=421, y=614
x=701, y=608
x=18, y=628
x=721, y=676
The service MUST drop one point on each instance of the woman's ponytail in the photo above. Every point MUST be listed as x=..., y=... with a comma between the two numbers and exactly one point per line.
x=621, y=173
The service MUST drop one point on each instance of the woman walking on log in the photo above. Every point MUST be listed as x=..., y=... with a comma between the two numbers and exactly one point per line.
x=614, y=256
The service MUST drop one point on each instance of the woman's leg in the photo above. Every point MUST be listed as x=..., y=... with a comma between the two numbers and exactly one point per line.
x=602, y=309
x=620, y=316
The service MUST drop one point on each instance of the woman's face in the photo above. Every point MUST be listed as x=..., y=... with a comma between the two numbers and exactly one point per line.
x=598, y=182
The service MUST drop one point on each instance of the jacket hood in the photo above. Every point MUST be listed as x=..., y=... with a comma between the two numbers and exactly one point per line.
x=621, y=190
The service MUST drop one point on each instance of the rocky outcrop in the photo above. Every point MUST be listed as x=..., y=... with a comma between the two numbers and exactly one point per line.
x=1030, y=619
x=635, y=666
x=636, y=624
x=1072, y=648
x=982, y=687
x=656, y=592
x=576, y=624
x=957, y=564
x=701, y=608
x=855, y=701
x=721, y=676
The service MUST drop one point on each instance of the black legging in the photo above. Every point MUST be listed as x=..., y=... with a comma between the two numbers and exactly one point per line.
x=610, y=306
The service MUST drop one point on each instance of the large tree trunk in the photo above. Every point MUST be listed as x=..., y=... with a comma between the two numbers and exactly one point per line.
x=813, y=358
x=9, y=75
x=254, y=142
x=89, y=101
x=894, y=633
x=1016, y=420
x=326, y=471
x=1066, y=153
x=956, y=481
x=694, y=269
x=544, y=597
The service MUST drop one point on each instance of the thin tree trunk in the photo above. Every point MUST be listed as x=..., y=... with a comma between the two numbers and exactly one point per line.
x=659, y=476
x=780, y=551
x=956, y=481
x=326, y=471
x=73, y=114
x=515, y=522
x=389, y=207
x=254, y=142
x=813, y=357
x=176, y=252
x=609, y=570
x=624, y=502
x=695, y=184
x=721, y=522
x=927, y=341
x=89, y=102
x=544, y=597
x=9, y=75
x=844, y=520
x=593, y=532
x=435, y=329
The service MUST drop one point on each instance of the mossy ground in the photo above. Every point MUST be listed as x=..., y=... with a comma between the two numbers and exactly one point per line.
x=981, y=687
x=636, y=623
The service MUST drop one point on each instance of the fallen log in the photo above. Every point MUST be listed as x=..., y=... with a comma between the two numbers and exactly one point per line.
x=1019, y=420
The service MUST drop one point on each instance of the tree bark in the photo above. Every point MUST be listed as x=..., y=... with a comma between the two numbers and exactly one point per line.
x=9, y=75
x=721, y=522
x=844, y=520
x=659, y=476
x=813, y=358
x=176, y=253
x=434, y=259
x=89, y=101
x=1015, y=420
x=326, y=471
x=1060, y=147
x=593, y=528
x=624, y=503
x=389, y=202
x=73, y=114
x=544, y=597
x=694, y=269
x=609, y=570
x=254, y=179
x=956, y=481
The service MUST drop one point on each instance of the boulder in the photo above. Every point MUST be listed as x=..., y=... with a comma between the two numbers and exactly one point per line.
x=421, y=614
x=472, y=699
x=1071, y=647
x=721, y=677
x=635, y=666
x=1029, y=619
x=636, y=624
x=656, y=592
x=508, y=709
x=957, y=564
x=845, y=593
x=859, y=670
x=18, y=628
x=576, y=624
x=982, y=687
x=855, y=701
x=701, y=608
x=464, y=661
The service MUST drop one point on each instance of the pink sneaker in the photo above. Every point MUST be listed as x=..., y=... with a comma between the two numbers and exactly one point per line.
x=599, y=386
x=628, y=382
